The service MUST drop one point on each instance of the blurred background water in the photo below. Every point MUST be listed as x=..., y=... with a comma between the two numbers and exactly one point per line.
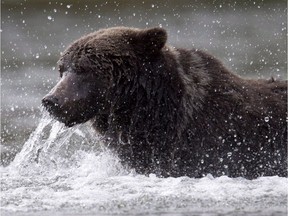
x=249, y=36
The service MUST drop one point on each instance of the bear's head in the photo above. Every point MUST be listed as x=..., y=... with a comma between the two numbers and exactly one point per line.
x=99, y=67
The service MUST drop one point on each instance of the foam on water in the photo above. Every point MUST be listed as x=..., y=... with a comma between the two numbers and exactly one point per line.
x=68, y=170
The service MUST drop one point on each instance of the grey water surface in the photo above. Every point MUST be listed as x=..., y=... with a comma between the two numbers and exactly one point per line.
x=75, y=176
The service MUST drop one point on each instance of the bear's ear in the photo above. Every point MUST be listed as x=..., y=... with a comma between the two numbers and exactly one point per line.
x=153, y=39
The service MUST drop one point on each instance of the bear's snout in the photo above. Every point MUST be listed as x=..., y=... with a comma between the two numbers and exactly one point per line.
x=50, y=102
x=55, y=108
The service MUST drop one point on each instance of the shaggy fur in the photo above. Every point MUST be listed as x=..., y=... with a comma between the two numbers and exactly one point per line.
x=170, y=111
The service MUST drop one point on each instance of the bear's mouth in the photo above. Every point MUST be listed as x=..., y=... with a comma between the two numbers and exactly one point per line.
x=60, y=115
x=67, y=118
x=68, y=121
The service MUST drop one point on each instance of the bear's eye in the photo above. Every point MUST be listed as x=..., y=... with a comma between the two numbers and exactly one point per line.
x=61, y=69
x=64, y=73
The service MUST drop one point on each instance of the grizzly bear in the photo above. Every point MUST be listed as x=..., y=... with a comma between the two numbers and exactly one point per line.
x=171, y=111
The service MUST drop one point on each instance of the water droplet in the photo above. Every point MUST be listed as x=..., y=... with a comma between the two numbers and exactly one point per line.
x=266, y=119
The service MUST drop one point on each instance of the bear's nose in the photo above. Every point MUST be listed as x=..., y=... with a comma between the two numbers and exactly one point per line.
x=50, y=101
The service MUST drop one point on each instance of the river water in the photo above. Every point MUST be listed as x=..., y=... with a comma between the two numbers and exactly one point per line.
x=48, y=169
x=67, y=171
